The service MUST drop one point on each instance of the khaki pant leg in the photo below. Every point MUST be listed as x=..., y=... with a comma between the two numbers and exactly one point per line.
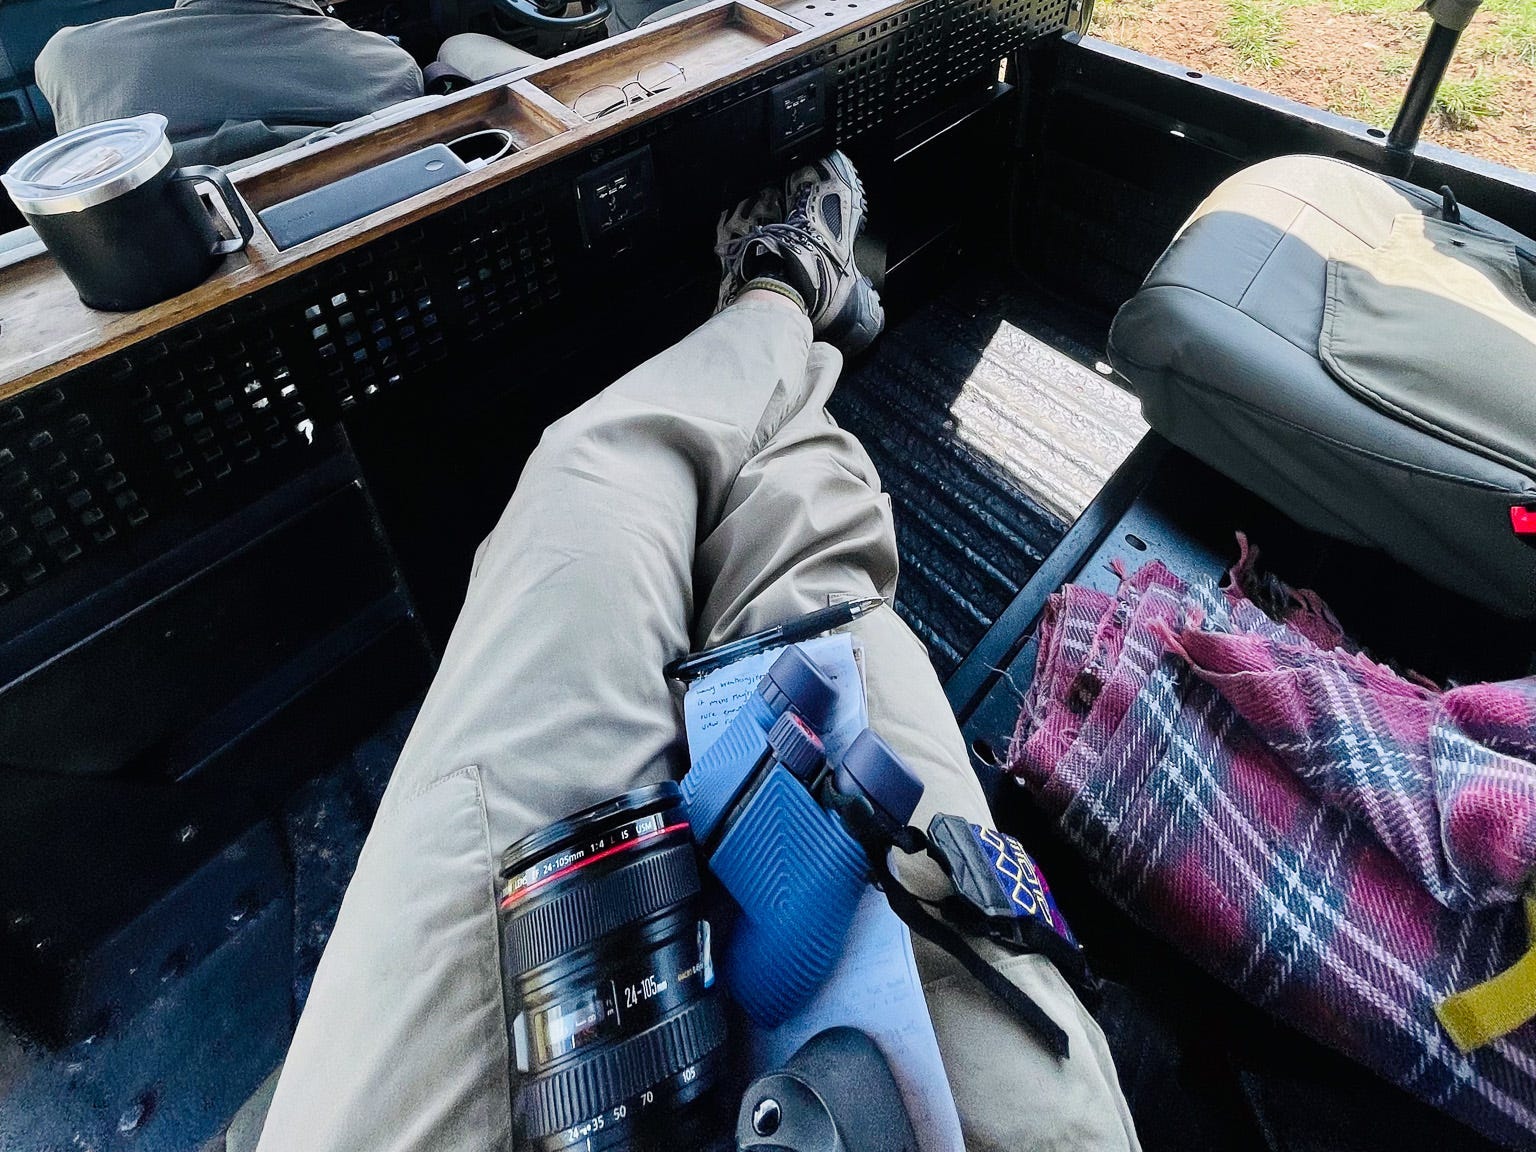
x=550, y=698
x=806, y=524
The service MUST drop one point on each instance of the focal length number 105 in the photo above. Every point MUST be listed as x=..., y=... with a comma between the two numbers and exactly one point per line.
x=643, y=990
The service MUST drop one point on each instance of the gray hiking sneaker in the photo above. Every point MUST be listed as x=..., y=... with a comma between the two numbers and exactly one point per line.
x=811, y=250
x=767, y=207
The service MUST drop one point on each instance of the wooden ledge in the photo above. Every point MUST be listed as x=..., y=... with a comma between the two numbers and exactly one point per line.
x=45, y=331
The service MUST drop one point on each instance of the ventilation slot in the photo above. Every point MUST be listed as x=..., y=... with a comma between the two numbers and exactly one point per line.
x=213, y=407
x=503, y=268
x=374, y=324
x=63, y=492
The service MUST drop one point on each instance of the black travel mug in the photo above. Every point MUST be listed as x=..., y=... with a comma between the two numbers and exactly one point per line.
x=127, y=227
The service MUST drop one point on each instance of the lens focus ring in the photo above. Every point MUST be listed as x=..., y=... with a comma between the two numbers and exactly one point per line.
x=565, y=1098
x=585, y=914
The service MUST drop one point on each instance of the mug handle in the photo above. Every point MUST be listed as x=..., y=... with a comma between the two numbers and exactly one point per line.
x=207, y=173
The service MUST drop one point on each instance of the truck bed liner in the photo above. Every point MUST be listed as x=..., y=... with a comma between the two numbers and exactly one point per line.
x=990, y=435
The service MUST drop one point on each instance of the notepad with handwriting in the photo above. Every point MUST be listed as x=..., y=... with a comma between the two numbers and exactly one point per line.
x=713, y=699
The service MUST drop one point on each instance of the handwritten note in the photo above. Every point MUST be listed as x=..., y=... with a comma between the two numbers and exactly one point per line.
x=712, y=700
x=875, y=987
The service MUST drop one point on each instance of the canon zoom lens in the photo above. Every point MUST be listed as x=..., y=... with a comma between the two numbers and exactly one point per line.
x=617, y=1029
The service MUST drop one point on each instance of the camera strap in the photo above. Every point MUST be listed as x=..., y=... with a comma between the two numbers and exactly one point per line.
x=937, y=932
x=1000, y=892
x=1018, y=915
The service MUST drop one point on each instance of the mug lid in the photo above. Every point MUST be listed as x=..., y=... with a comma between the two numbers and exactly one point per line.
x=89, y=165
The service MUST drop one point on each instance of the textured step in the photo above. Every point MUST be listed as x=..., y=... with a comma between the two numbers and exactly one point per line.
x=990, y=442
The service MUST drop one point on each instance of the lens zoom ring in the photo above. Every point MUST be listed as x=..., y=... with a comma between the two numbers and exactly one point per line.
x=592, y=910
x=615, y=1074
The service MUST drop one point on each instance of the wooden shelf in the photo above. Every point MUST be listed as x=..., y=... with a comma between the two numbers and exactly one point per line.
x=700, y=43
x=519, y=112
x=45, y=331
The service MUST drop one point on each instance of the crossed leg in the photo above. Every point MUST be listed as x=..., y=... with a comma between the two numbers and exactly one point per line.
x=705, y=494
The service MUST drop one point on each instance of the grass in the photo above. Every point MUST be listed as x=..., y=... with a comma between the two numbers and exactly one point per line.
x=1364, y=104
x=1354, y=57
x=1256, y=31
x=1514, y=35
x=1110, y=12
x=1372, y=7
x=1463, y=104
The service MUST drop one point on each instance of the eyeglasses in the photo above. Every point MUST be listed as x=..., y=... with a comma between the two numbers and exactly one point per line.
x=651, y=80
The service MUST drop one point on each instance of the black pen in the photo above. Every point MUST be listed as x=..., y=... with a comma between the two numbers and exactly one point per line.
x=812, y=624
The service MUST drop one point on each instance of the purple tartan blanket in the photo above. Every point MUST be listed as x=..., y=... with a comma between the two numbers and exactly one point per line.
x=1337, y=843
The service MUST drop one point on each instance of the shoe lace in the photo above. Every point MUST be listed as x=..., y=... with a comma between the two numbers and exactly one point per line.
x=794, y=229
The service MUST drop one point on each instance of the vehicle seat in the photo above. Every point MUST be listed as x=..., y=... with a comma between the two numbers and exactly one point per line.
x=1221, y=344
x=672, y=10
x=628, y=14
x=481, y=57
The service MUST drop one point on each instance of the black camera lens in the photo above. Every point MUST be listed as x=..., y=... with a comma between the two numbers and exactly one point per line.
x=616, y=1027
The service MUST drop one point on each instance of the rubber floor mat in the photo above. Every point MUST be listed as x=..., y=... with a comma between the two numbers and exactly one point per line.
x=990, y=438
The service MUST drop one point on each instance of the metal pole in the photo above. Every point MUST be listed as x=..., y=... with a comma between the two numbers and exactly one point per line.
x=1420, y=97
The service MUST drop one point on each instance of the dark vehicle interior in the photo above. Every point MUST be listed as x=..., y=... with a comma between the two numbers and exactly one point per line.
x=203, y=689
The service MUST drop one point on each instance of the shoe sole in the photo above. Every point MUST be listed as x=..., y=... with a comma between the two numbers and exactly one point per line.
x=862, y=316
x=859, y=321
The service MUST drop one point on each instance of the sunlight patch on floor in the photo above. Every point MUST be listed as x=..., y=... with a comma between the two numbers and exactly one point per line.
x=1056, y=428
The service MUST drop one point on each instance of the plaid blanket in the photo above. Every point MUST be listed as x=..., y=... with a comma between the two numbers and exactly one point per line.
x=1340, y=844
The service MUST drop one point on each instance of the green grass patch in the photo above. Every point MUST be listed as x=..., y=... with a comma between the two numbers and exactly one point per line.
x=1463, y=104
x=1108, y=14
x=1373, y=7
x=1361, y=103
x=1514, y=32
x=1397, y=66
x=1256, y=32
x=1514, y=35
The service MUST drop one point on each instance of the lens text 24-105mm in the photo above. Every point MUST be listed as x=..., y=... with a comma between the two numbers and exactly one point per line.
x=617, y=1028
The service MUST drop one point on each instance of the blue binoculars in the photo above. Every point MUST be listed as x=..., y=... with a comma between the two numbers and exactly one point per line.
x=768, y=813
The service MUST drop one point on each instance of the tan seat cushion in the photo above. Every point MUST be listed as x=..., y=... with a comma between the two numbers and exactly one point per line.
x=482, y=57
x=1222, y=346
x=1435, y=328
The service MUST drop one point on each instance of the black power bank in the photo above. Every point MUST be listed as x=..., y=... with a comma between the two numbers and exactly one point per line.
x=353, y=197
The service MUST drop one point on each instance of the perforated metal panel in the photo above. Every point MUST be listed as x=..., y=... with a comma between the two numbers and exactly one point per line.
x=213, y=403
x=923, y=70
x=63, y=489
x=893, y=66
x=1015, y=17
x=504, y=267
x=864, y=82
x=975, y=39
x=243, y=394
x=235, y=401
x=374, y=320
x=1050, y=16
